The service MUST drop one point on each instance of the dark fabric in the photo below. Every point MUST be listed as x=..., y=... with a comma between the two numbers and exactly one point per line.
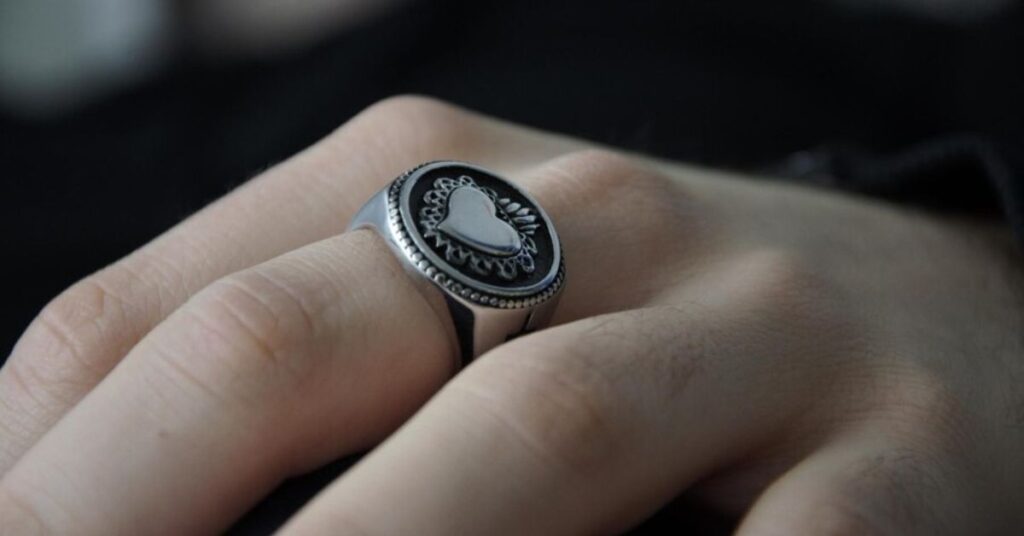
x=965, y=173
x=734, y=84
x=881, y=104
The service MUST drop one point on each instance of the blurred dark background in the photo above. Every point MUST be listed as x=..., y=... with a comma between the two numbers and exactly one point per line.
x=118, y=121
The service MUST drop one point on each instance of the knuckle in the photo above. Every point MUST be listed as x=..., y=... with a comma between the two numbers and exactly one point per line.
x=250, y=307
x=780, y=295
x=610, y=170
x=563, y=412
x=620, y=187
x=398, y=133
x=779, y=273
x=594, y=159
x=790, y=286
x=929, y=410
x=417, y=125
x=73, y=342
x=402, y=106
x=79, y=321
x=246, y=321
x=596, y=174
x=614, y=213
x=81, y=334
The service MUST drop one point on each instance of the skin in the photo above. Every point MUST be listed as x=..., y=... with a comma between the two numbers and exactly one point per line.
x=807, y=362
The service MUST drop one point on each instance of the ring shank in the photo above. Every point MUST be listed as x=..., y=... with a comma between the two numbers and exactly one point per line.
x=474, y=328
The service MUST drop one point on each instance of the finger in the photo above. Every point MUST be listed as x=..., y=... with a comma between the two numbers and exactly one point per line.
x=293, y=362
x=630, y=234
x=267, y=373
x=82, y=334
x=865, y=485
x=584, y=428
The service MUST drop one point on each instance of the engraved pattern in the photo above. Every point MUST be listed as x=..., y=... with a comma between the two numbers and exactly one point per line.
x=413, y=253
x=519, y=217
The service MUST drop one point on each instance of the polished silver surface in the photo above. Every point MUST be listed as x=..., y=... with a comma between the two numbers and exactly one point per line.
x=480, y=247
x=471, y=220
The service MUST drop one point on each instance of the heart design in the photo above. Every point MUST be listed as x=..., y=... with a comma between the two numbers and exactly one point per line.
x=471, y=220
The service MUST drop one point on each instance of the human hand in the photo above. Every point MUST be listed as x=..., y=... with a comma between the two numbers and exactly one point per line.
x=816, y=363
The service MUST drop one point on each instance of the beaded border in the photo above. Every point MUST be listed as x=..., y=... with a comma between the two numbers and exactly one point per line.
x=413, y=253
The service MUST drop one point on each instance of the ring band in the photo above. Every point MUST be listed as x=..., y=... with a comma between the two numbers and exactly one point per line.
x=483, y=243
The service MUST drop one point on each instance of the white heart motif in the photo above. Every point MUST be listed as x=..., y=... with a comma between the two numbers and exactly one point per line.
x=471, y=220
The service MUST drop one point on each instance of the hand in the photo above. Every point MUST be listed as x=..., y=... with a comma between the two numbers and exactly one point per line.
x=816, y=363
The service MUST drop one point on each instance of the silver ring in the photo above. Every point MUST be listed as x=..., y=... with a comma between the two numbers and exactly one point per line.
x=479, y=241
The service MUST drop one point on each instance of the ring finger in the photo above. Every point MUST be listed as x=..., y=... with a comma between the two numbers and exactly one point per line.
x=80, y=336
x=284, y=366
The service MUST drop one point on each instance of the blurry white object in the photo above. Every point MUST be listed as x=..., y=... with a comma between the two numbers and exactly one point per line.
x=268, y=27
x=55, y=54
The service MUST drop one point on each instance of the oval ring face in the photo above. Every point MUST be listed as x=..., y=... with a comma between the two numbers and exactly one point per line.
x=476, y=234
